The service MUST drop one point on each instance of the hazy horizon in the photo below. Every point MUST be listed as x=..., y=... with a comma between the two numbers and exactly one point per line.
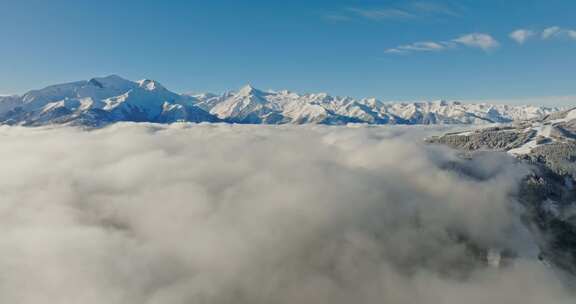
x=551, y=101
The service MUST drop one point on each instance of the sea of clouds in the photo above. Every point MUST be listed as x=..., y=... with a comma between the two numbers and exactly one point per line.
x=143, y=213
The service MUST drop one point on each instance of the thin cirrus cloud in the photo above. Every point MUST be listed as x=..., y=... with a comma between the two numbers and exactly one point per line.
x=380, y=14
x=433, y=8
x=410, y=11
x=481, y=41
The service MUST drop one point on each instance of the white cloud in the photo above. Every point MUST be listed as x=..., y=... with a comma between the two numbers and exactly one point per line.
x=473, y=40
x=521, y=35
x=478, y=40
x=396, y=51
x=551, y=32
x=558, y=32
x=424, y=46
x=150, y=214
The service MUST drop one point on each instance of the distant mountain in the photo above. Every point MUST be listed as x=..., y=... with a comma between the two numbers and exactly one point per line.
x=250, y=105
x=100, y=101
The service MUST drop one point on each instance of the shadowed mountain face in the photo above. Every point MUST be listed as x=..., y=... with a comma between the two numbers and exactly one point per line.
x=548, y=194
x=101, y=101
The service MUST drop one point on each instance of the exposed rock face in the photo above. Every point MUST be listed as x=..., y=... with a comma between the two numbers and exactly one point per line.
x=548, y=194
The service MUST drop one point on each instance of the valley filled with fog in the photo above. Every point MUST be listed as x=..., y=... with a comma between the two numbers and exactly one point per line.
x=220, y=213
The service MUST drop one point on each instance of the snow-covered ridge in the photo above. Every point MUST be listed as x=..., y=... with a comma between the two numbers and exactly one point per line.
x=256, y=106
x=104, y=100
x=522, y=138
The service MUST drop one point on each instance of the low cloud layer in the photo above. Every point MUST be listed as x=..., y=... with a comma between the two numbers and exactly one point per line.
x=255, y=214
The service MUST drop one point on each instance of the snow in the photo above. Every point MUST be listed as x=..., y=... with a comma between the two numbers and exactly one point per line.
x=113, y=93
x=149, y=85
x=294, y=106
x=571, y=115
x=524, y=149
x=247, y=90
x=543, y=133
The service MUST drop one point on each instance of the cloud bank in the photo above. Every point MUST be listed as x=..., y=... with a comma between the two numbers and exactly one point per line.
x=138, y=213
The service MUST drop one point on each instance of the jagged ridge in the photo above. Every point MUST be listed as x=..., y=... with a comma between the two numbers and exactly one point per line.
x=105, y=100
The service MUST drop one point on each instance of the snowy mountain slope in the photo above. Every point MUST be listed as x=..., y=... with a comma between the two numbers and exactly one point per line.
x=8, y=102
x=105, y=100
x=100, y=101
x=522, y=138
x=548, y=194
x=250, y=105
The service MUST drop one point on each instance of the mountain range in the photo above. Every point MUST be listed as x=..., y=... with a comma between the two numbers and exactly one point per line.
x=101, y=101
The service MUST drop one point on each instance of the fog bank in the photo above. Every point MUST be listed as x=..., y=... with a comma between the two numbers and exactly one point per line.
x=139, y=213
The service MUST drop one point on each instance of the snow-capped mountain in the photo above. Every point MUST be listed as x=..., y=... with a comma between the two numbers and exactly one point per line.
x=250, y=105
x=105, y=100
x=100, y=101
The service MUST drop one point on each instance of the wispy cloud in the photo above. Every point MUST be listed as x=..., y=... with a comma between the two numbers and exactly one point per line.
x=481, y=41
x=434, y=8
x=478, y=40
x=380, y=14
x=558, y=32
x=406, y=11
x=521, y=35
x=551, y=32
x=422, y=46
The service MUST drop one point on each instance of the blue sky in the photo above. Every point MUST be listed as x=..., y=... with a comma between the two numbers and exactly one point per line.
x=395, y=50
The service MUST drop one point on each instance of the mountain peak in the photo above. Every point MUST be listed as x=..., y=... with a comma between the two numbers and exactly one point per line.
x=150, y=85
x=440, y=102
x=110, y=78
x=111, y=81
x=248, y=90
x=143, y=100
